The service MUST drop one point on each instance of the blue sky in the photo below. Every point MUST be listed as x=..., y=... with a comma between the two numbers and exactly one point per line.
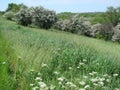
x=66, y=5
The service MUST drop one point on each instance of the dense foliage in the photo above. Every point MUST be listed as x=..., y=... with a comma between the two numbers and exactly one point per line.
x=76, y=24
x=97, y=24
x=38, y=16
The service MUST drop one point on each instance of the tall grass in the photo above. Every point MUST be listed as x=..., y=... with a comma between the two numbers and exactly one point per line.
x=48, y=60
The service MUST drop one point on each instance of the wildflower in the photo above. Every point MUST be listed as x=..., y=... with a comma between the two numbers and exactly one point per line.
x=101, y=83
x=82, y=83
x=39, y=74
x=84, y=60
x=61, y=79
x=70, y=68
x=31, y=84
x=116, y=89
x=82, y=89
x=44, y=65
x=94, y=72
x=87, y=86
x=78, y=67
x=105, y=75
x=56, y=72
x=115, y=75
x=3, y=63
x=38, y=78
x=70, y=84
x=34, y=88
x=95, y=84
x=73, y=85
x=101, y=79
x=82, y=64
x=60, y=83
x=91, y=74
x=94, y=79
x=63, y=86
x=52, y=87
x=108, y=80
x=85, y=77
x=42, y=84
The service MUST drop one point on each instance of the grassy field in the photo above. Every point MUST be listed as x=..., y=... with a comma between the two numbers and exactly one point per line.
x=36, y=59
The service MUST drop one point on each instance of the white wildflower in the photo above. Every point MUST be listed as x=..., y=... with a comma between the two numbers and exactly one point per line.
x=39, y=74
x=71, y=84
x=87, y=86
x=35, y=88
x=82, y=89
x=70, y=68
x=38, y=78
x=94, y=79
x=61, y=79
x=101, y=83
x=31, y=84
x=105, y=75
x=85, y=77
x=82, y=64
x=44, y=65
x=116, y=89
x=91, y=74
x=78, y=67
x=82, y=83
x=42, y=84
x=84, y=60
x=115, y=75
x=95, y=84
x=60, y=83
x=101, y=79
x=52, y=87
x=108, y=80
x=3, y=63
x=56, y=72
x=94, y=72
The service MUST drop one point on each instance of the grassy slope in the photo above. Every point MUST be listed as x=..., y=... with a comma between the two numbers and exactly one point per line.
x=60, y=51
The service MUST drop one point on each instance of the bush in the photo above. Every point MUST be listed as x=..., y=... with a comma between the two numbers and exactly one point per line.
x=42, y=17
x=76, y=24
x=37, y=16
x=116, y=36
x=24, y=17
x=9, y=15
x=102, y=31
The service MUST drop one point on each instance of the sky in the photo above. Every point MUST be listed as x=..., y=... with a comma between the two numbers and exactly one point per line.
x=66, y=5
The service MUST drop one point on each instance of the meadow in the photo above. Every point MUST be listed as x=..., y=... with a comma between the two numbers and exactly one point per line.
x=38, y=59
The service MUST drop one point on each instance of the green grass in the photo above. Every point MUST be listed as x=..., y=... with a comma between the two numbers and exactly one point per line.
x=52, y=55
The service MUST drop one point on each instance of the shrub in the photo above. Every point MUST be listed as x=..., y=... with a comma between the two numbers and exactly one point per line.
x=102, y=31
x=9, y=15
x=42, y=17
x=37, y=16
x=76, y=24
x=116, y=36
x=24, y=17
